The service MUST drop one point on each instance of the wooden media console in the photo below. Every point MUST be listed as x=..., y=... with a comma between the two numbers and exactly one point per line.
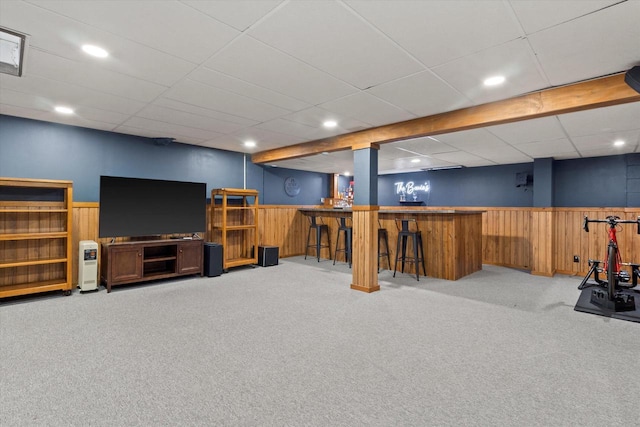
x=131, y=262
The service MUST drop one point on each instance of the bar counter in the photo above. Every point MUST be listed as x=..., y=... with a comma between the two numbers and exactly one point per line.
x=452, y=239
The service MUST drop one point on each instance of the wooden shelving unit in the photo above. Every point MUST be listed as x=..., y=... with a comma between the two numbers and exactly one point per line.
x=234, y=224
x=35, y=236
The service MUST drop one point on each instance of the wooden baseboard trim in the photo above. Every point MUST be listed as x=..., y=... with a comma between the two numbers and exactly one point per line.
x=365, y=289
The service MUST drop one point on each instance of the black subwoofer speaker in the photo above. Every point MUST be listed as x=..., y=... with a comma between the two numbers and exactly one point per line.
x=267, y=255
x=632, y=78
x=212, y=259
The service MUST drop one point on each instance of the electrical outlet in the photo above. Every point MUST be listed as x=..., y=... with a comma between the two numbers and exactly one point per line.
x=576, y=258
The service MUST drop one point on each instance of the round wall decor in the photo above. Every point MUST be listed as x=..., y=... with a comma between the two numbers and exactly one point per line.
x=291, y=187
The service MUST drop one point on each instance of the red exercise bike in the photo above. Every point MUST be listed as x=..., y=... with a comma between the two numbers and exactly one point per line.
x=609, y=294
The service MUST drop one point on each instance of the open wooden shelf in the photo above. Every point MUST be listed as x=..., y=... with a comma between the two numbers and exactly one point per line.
x=35, y=236
x=234, y=224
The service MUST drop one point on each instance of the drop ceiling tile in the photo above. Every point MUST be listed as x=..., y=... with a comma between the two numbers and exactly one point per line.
x=605, y=141
x=299, y=130
x=201, y=111
x=472, y=139
x=162, y=129
x=172, y=27
x=459, y=158
x=177, y=117
x=92, y=76
x=548, y=148
x=232, y=84
x=254, y=62
x=60, y=92
x=367, y=109
x=314, y=117
x=535, y=15
x=422, y=94
x=527, y=131
x=602, y=120
x=336, y=41
x=436, y=32
x=423, y=145
x=194, y=93
x=590, y=46
x=599, y=152
x=513, y=60
x=62, y=36
x=238, y=14
x=154, y=133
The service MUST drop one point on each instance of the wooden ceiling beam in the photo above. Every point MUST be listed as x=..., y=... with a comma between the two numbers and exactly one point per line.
x=601, y=92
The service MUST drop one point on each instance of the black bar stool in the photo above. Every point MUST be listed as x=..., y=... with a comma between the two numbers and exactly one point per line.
x=409, y=228
x=344, y=226
x=319, y=227
x=383, y=236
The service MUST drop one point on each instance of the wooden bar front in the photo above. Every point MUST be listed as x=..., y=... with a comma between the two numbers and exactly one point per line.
x=452, y=239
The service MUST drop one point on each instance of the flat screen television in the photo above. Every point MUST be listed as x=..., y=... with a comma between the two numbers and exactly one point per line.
x=134, y=207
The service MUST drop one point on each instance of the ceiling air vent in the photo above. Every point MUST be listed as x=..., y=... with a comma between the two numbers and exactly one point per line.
x=11, y=52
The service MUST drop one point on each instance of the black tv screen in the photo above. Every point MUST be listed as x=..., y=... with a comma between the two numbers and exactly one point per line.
x=149, y=207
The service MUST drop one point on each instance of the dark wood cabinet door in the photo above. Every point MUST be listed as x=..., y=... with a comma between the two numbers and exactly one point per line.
x=125, y=263
x=190, y=257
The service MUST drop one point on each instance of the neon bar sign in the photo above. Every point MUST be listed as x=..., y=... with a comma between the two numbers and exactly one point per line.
x=411, y=187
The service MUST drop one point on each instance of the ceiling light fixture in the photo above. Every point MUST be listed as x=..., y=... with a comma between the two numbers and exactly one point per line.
x=249, y=144
x=347, y=173
x=11, y=52
x=330, y=124
x=415, y=160
x=96, y=51
x=494, y=81
x=63, y=110
x=618, y=143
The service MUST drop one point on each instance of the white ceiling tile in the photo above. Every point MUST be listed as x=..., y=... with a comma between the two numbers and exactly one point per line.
x=336, y=42
x=439, y=31
x=602, y=120
x=422, y=94
x=153, y=133
x=459, y=158
x=300, y=130
x=167, y=26
x=232, y=84
x=367, y=109
x=425, y=145
x=201, y=111
x=599, y=152
x=194, y=93
x=526, y=131
x=59, y=35
x=590, y=46
x=472, y=140
x=92, y=76
x=513, y=60
x=314, y=117
x=162, y=129
x=257, y=63
x=605, y=141
x=548, y=148
x=535, y=15
x=172, y=116
x=238, y=14
x=71, y=94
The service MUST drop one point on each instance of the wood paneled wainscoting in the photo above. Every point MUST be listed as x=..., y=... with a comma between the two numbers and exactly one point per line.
x=511, y=237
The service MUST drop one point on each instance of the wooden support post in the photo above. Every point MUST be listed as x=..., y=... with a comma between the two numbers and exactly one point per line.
x=365, y=249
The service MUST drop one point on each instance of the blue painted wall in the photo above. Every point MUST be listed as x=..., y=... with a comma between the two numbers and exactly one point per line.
x=313, y=186
x=35, y=149
x=482, y=186
x=597, y=181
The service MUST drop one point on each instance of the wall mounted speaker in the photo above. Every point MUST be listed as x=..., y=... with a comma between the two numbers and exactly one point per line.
x=632, y=78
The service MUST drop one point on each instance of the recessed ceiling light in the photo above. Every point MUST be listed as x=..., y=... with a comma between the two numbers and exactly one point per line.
x=415, y=160
x=95, y=51
x=330, y=124
x=249, y=144
x=64, y=110
x=494, y=81
x=347, y=173
x=618, y=143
